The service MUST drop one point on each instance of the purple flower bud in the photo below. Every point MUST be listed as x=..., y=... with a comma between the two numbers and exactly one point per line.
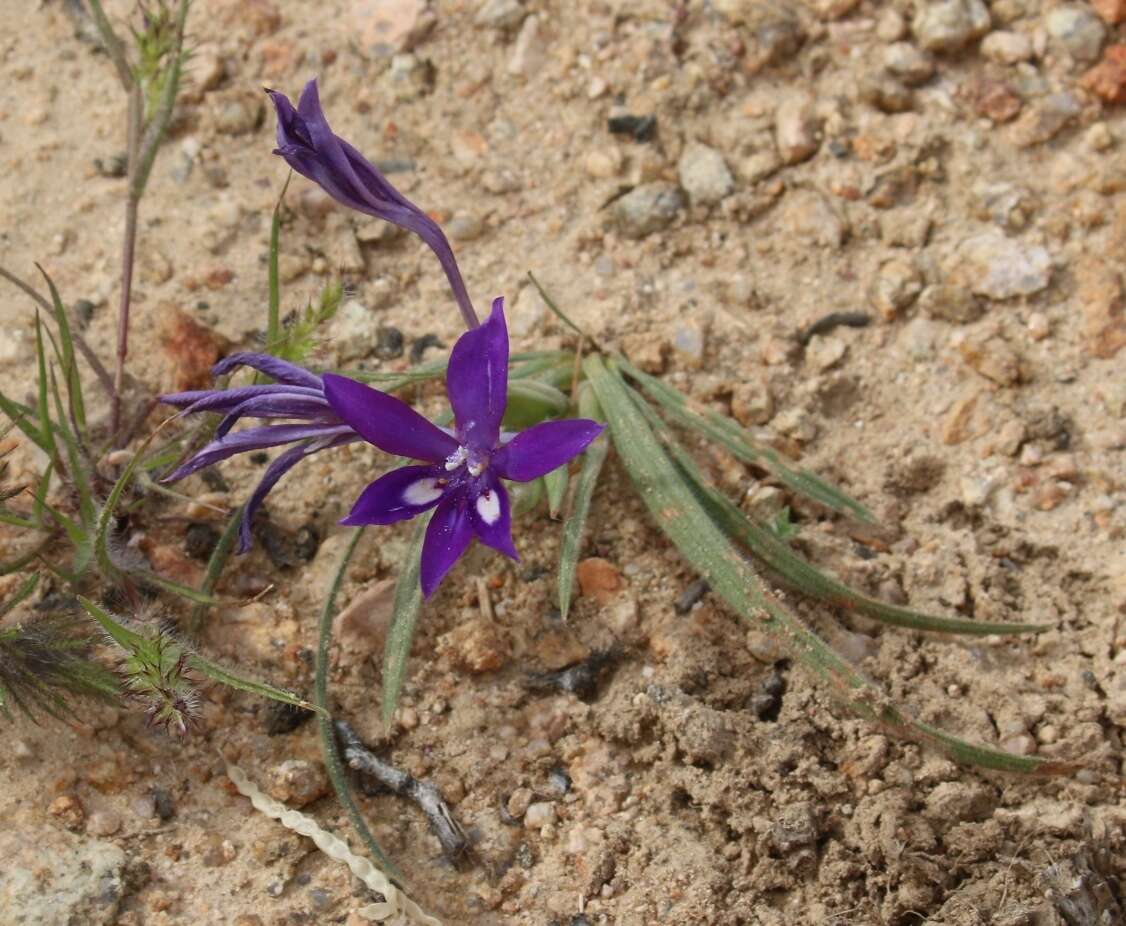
x=310, y=148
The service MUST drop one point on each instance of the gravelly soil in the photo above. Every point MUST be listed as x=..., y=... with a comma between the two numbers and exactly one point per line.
x=811, y=159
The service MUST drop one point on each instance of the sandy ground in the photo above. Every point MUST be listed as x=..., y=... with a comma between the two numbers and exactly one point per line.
x=950, y=172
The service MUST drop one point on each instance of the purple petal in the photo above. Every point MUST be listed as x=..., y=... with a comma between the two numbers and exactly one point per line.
x=491, y=516
x=544, y=447
x=310, y=147
x=281, y=370
x=398, y=495
x=447, y=536
x=254, y=439
x=278, y=468
x=279, y=406
x=477, y=381
x=384, y=421
x=218, y=400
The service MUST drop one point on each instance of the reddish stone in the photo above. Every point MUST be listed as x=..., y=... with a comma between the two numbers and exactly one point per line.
x=599, y=579
x=192, y=349
x=1107, y=79
x=995, y=100
x=1111, y=11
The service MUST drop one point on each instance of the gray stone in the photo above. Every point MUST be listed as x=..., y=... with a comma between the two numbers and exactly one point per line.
x=50, y=878
x=796, y=130
x=529, y=52
x=905, y=61
x=499, y=14
x=648, y=208
x=1046, y=119
x=948, y=25
x=795, y=827
x=951, y=304
x=1006, y=47
x=704, y=174
x=465, y=227
x=810, y=216
x=998, y=267
x=353, y=331
x=1076, y=30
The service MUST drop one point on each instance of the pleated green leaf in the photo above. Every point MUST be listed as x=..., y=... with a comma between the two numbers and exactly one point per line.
x=728, y=434
x=681, y=517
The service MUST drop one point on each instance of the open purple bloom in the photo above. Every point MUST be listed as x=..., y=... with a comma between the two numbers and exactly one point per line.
x=297, y=395
x=311, y=148
x=462, y=472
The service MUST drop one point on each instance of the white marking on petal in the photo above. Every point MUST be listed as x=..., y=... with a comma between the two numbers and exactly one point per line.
x=422, y=492
x=488, y=507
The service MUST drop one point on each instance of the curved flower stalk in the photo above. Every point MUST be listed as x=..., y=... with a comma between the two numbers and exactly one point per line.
x=311, y=148
x=297, y=394
x=462, y=473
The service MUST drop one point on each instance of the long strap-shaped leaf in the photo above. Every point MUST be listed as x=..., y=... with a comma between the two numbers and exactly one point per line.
x=686, y=523
x=593, y=458
x=408, y=602
x=731, y=436
x=795, y=571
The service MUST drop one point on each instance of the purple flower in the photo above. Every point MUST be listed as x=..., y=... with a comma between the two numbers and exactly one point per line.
x=310, y=148
x=462, y=474
x=297, y=394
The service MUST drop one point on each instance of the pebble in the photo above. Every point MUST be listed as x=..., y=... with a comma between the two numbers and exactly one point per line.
x=887, y=94
x=518, y=802
x=103, y=823
x=948, y=25
x=527, y=313
x=1006, y=47
x=795, y=827
x=1099, y=292
x=191, y=349
x=200, y=540
x=499, y=14
x=477, y=646
x=752, y=403
x=951, y=304
x=603, y=163
x=297, y=782
x=999, y=267
x=896, y=286
x=908, y=63
x=773, y=31
x=688, y=342
x=384, y=27
x=1045, y=119
x=1077, y=30
x=69, y=810
x=539, y=815
x=362, y=626
x=1038, y=326
x=648, y=208
x=994, y=100
x=704, y=174
x=992, y=358
x=599, y=579
x=891, y=26
x=810, y=216
x=465, y=227
x=1112, y=11
x=796, y=130
x=353, y=331
x=825, y=352
x=237, y=115
x=1107, y=79
x=529, y=52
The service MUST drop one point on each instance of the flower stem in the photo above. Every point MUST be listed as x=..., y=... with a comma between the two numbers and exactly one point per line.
x=333, y=763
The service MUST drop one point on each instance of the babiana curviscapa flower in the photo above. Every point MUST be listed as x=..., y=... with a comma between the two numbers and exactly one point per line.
x=462, y=475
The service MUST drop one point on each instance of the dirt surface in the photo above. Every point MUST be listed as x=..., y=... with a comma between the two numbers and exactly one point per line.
x=950, y=172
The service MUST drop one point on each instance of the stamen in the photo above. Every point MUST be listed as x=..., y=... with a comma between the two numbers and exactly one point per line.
x=455, y=459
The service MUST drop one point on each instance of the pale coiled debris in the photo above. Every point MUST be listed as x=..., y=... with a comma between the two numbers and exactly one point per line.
x=396, y=910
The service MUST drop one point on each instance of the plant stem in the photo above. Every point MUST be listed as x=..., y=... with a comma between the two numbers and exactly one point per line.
x=333, y=763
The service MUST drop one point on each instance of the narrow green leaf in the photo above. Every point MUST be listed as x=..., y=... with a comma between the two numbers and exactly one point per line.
x=17, y=414
x=329, y=747
x=79, y=472
x=67, y=356
x=218, y=673
x=39, y=500
x=120, y=634
x=21, y=595
x=273, y=317
x=531, y=401
x=556, y=483
x=15, y=565
x=9, y=517
x=46, y=432
x=215, y=564
x=571, y=544
x=795, y=572
x=408, y=602
x=730, y=435
x=555, y=310
x=680, y=516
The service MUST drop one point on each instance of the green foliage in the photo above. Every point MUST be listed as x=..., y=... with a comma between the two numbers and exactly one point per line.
x=43, y=664
x=404, y=616
x=160, y=57
x=679, y=514
x=163, y=672
x=297, y=336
